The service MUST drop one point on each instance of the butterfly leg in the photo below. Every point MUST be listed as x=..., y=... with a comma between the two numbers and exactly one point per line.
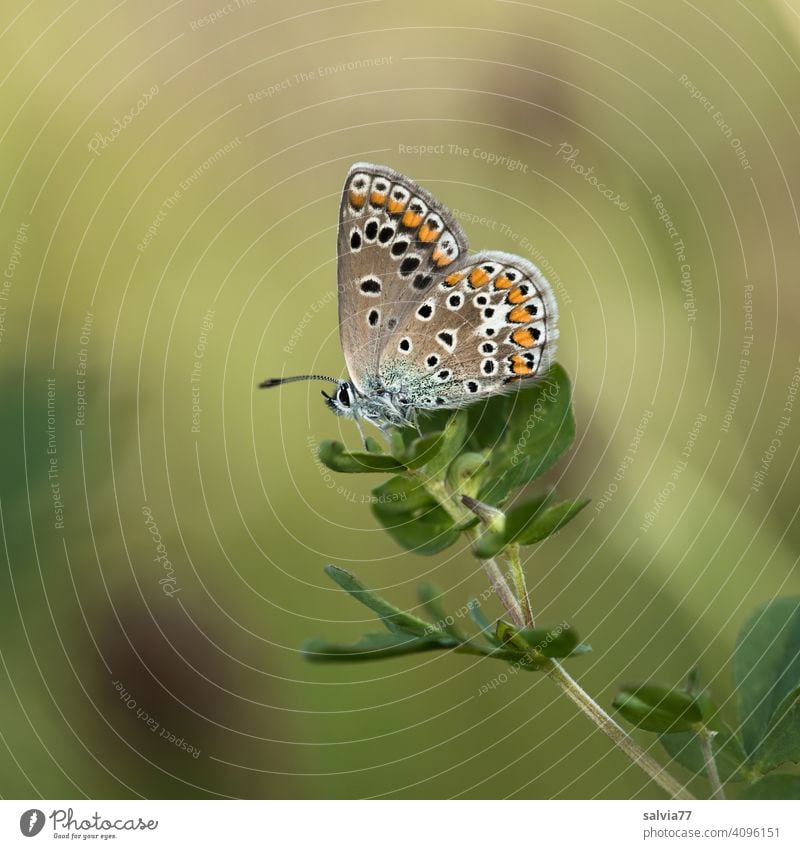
x=360, y=430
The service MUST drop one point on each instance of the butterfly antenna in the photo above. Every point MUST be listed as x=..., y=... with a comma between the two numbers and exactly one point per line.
x=278, y=381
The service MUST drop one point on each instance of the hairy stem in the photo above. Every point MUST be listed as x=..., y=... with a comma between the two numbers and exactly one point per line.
x=518, y=576
x=615, y=733
x=705, y=736
x=500, y=586
x=457, y=512
x=518, y=607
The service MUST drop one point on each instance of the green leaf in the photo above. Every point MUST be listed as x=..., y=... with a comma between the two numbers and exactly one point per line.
x=465, y=473
x=766, y=665
x=540, y=428
x=334, y=456
x=557, y=642
x=397, y=440
x=485, y=626
x=488, y=544
x=549, y=521
x=487, y=423
x=422, y=450
x=396, y=620
x=781, y=742
x=412, y=517
x=373, y=446
x=656, y=708
x=374, y=647
x=684, y=747
x=509, y=636
x=430, y=596
x=774, y=787
x=524, y=520
x=520, y=516
x=434, y=421
x=554, y=642
x=454, y=434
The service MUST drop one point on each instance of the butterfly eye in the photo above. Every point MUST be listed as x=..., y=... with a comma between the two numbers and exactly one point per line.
x=343, y=395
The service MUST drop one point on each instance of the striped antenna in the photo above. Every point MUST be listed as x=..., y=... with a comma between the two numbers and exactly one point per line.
x=279, y=381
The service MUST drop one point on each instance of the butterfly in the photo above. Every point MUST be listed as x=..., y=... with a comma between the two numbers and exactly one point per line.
x=424, y=325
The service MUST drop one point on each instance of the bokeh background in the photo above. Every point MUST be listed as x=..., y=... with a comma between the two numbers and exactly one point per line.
x=170, y=181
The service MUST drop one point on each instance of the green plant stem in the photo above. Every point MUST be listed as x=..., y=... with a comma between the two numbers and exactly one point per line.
x=614, y=732
x=460, y=514
x=438, y=490
x=503, y=591
x=705, y=736
x=570, y=687
x=518, y=576
x=518, y=607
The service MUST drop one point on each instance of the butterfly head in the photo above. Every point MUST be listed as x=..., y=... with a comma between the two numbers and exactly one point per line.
x=380, y=409
x=343, y=401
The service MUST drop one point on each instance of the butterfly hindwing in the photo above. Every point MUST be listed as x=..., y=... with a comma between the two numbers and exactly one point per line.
x=486, y=322
x=395, y=239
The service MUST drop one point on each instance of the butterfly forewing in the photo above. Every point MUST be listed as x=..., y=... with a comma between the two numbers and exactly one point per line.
x=395, y=239
x=422, y=323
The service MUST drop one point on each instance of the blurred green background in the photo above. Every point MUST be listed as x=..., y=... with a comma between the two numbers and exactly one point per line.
x=170, y=181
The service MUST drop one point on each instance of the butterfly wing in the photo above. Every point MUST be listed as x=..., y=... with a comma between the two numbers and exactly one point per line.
x=486, y=323
x=394, y=240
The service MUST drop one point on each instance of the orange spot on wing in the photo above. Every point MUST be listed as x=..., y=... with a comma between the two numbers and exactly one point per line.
x=519, y=315
x=396, y=206
x=377, y=199
x=523, y=336
x=412, y=219
x=441, y=258
x=519, y=366
x=478, y=278
x=427, y=233
x=454, y=278
x=502, y=282
x=516, y=296
x=357, y=199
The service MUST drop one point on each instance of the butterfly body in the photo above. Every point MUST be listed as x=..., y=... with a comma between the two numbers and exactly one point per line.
x=423, y=324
